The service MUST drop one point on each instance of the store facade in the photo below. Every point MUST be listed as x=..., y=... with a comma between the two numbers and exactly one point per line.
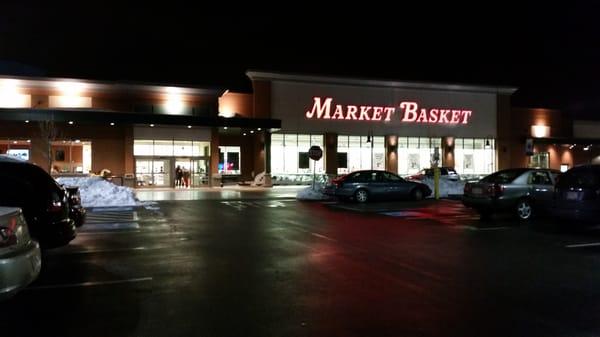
x=402, y=127
x=138, y=134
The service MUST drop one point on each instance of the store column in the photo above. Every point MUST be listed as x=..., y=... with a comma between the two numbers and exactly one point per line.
x=214, y=157
x=448, y=151
x=331, y=164
x=391, y=153
x=268, y=181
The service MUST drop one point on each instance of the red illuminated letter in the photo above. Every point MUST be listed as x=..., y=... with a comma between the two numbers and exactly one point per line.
x=455, y=116
x=322, y=110
x=339, y=112
x=352, y=109
x=364, y=113
x=410, y=111
x=377, y=113
x=433, y=115
x=422, y=116
x=388, y=113
x=466, y=115
x=444, y=116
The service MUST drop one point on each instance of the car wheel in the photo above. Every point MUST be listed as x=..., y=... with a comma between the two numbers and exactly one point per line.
x=417, y=194
x=361, y=196
x=524, y=210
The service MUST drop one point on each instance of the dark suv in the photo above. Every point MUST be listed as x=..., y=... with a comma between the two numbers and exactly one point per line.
x=43, y=201
x=577, y=194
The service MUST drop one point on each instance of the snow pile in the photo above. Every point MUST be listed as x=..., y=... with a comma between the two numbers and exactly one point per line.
x=447, y=187
x=97, y=192
x=309, y=194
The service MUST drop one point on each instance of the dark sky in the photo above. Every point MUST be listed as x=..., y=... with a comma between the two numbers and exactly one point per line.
x=551, y=53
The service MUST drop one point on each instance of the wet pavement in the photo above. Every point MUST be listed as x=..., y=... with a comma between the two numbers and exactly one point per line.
x=279, y=267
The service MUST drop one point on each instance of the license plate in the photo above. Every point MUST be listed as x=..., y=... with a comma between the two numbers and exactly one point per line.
x=477, y=190
x=572, y=195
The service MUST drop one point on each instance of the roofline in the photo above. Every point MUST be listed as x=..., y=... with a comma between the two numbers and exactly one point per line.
x=292, y=77
x=48, y=82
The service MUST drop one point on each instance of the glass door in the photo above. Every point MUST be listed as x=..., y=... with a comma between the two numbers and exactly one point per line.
x=161, y=172
x=183, y=172
x=200, y=172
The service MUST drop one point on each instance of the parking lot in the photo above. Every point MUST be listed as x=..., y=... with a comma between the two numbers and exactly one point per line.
x=279, y=267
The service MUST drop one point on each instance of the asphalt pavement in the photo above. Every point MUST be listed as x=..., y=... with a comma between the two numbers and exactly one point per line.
x=279, y=267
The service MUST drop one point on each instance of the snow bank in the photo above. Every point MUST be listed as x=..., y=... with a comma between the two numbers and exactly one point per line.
x=97, y=192
x=309, y=194
x=447, y=187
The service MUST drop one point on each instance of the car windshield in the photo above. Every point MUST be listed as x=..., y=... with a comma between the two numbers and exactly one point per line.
x=503, y=177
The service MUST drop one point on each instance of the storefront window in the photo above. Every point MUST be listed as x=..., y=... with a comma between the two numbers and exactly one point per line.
x=182, y=148
x=540, y=160
x=360, y=153
x=229, y=160
x=474, y=156
x=289, y=155
x=200, y=149
x=163, y=148
x=143, y=147
x=416, y=153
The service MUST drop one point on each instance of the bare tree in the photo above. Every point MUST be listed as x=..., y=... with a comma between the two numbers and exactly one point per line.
x=49, y=133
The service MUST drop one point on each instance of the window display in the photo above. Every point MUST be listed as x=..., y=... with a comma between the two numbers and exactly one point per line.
x=416, y=153
x=476, y=156
x=289, y=154
x=360, y=153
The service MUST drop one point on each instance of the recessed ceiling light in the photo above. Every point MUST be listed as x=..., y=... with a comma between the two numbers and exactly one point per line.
x=251, y=131
x=258, y=129
x=28, y=140
x=14, y=142
x=112, y=123
x=244, y=133
x=151, y=125
x=70, y=122
x=27, y=121
x=77, y=141
x=224, y=128
x=189, y=126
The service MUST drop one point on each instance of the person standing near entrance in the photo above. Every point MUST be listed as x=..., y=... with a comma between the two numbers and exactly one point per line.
x=178, y=176
x=186, y=177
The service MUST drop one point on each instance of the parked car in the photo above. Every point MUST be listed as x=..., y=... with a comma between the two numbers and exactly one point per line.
x=521, y=191
x=76, y=211
x=445, y=173
x=43, y=202
x=363, y=186
x=20, y=259
x=577, y=194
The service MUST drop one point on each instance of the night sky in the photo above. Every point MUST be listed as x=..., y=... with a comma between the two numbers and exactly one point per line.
x=551, y=54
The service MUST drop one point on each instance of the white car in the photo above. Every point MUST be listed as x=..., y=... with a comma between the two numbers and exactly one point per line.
x=20, y=257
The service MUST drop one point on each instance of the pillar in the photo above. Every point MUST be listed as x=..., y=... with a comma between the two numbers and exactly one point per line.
x=214, y=155
x=267, y=150
x=331, y=164
x=391, y=153
x=447, y=151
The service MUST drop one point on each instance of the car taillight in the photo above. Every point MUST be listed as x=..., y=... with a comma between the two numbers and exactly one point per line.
x=13, y=231
x=496, y=190
x=55, y=206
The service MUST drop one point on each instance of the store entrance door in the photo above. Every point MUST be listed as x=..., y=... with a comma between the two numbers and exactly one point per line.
x=197, y=169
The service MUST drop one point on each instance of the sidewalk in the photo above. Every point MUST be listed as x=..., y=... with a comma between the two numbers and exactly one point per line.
x=233, y=192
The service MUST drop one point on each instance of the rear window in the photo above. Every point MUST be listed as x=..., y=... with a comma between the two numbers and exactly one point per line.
x=581, y=177
x=503, y=177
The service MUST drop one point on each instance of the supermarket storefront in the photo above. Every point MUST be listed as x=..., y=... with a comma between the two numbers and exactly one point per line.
x=402, y=127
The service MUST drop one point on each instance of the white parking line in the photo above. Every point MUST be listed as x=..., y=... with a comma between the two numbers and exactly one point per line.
x=580, y=245
x=90, y=284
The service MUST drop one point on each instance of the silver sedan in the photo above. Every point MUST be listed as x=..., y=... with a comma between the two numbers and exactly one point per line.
x=20, y=259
